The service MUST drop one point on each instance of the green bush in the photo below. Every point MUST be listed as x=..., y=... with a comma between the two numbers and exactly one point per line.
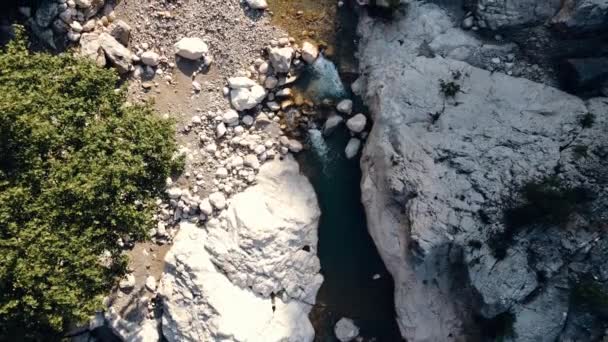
x=547, y=201
x=79, y=169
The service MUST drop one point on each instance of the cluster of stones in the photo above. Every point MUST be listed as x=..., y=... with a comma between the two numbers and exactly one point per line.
x=54, y=22
x=104, y=39
x=267, y=88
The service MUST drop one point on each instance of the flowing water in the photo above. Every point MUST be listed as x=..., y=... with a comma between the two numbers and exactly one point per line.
x=357, y=284
x=349, y=259
x=321, y=81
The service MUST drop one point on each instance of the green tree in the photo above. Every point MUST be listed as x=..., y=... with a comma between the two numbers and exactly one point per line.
x=79, y=169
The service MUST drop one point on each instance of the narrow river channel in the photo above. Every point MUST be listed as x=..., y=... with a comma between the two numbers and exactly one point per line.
x=357, y=284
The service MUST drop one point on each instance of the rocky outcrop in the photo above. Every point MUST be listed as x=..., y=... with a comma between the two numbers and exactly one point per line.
x=252, y=274
x=512, y=13
x=460, y=175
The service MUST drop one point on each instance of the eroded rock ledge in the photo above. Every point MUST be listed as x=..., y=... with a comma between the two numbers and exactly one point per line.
x=443, y=164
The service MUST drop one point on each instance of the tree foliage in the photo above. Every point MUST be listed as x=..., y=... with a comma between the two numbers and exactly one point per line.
x=79, y=169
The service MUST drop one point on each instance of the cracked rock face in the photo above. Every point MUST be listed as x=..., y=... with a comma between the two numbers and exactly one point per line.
x=498, y=14
x=440, y=170
x=253, y=274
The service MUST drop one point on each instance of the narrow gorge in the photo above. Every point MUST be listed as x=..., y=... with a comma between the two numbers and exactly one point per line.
x=353, y=170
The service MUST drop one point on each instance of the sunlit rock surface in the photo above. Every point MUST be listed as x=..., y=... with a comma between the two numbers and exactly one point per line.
x=440, y=168
x=253, y=274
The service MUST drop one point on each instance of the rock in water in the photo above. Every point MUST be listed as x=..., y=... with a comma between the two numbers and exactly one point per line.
x=220, y=282
x=357, y=123
x=352, y=148
x=346, y=330
x=345, y=106
x=191, y=48
x=332, y=122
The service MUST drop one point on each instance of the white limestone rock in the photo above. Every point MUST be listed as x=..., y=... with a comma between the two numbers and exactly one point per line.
x=231, y=117
x=357, y=123
x=332, y=122
x=345, y=106
x=150, y=58
x=310, y=52
x=191, y=48
x=352, y=148
x=346, y=330
x=218, y=200
x=219, y=280
x=90, y=47
x=251, y=160
x=205, y=207
x=241, y=82
x=257, y=4
x=247, y=98
x=295, y=146
x=280, y=58
x=127, y=283
x=426, y=182
x=151, y=283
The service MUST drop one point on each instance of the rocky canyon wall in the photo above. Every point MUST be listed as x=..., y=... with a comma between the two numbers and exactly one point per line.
x=483, y=192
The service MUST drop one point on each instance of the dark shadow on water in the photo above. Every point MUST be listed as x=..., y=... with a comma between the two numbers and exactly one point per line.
x=349, y=259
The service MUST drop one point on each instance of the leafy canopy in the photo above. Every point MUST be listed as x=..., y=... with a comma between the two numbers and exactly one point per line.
x=78, y=170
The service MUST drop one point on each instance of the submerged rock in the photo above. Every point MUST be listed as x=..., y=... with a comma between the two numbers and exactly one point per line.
x=352, y=148
x=346, y=330
x=257, y=278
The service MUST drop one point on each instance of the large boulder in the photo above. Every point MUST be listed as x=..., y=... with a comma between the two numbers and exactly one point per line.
x=441, y=171
x=121, y=31
x=90, y=47
x=116, y=53
x=191, y=48
x=254, y=275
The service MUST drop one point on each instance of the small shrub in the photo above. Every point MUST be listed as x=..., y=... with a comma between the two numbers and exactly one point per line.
x=580, y=151
x=79, y=170
x=499, y=327
x=587, y=120
x=475, y=244
x=449, y=88
x=590, y=294
x=546, y=201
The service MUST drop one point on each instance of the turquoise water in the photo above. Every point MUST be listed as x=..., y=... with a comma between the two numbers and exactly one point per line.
x=349, y=259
